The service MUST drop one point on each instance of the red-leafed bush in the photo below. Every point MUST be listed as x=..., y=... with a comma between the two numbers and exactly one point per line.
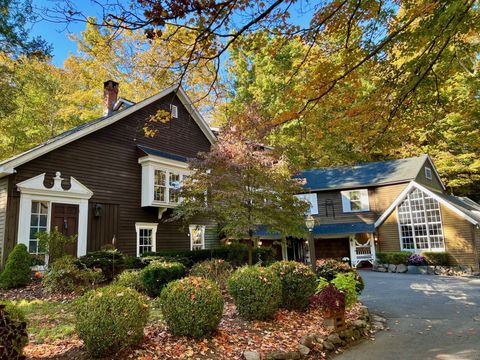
x=329, y=299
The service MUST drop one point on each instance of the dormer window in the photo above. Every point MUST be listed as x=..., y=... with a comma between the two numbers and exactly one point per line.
x=174, y=111
x=161, y=180
x=428, y=173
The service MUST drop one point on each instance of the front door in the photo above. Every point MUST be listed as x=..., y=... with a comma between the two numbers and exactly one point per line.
x=65, y=220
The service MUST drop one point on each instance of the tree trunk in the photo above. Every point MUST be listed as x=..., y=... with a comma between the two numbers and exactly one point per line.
x=284, y=249
x=250, y=251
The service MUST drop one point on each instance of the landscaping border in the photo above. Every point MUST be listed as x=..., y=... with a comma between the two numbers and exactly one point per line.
x=459, y=270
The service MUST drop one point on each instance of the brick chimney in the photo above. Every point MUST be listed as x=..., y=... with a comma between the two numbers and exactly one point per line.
x=110, y=94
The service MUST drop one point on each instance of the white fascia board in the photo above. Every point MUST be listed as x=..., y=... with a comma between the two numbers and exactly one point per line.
x=10, y=164
x=158, y=160
x=430, y=193
x=435, y=170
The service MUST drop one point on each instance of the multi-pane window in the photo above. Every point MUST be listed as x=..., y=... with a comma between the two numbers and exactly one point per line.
x=355, y=200
x=38, y=223
x=420, y=222
x=146, y=237
x=166, y=191
x=197, y=237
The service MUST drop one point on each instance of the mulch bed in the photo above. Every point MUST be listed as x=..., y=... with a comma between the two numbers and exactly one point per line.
x=233, y=337
x=33, y=291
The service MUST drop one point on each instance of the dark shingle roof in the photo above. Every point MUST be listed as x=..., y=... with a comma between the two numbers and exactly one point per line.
x=164, y=154
x=363, y=175
x=464, y=204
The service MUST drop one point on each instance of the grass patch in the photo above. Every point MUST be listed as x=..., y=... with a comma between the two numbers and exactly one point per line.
x=48, y=320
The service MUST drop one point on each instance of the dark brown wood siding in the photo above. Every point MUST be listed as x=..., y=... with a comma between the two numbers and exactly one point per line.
x=106, y=161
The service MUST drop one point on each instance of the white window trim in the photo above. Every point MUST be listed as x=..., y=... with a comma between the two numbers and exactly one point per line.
x=311, y=198
x=428, y=173
x=147, y=226
x=151, y=163
x=191, y=228
x=415, y=250
x=34, y=189
x=346, y=204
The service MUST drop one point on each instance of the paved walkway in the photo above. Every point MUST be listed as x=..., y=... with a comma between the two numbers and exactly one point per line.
x=429, y=317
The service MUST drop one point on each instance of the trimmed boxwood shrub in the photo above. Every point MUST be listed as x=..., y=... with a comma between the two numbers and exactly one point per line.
x=111, y=319
x=216, y=270
x=393, y=257
x=17, y=271
x=64, y=276
x=329, y=268
x=256, y=291
x=158, y=274
x=13, y=332
x=130, y=279
x=191, y=306
x=111, y=262
x=298, y=283
x=436, y=258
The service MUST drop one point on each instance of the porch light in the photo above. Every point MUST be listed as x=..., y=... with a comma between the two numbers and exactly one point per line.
x=310, y=222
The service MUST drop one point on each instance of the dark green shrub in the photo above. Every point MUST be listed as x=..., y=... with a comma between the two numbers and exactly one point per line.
x=158, y=274
x=130, y=279
x=111, y=319
x=64, y=276
x=216, y=270
x=17, y=271
x=111, y=262
x=256, y=291
x=13, y=332
x=329, y=268
x=192, y=306
x=436, y=258
x=298, y=283
x=133, y=262
x=393, y=257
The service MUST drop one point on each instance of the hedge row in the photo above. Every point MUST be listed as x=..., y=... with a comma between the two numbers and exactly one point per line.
x=401, y=257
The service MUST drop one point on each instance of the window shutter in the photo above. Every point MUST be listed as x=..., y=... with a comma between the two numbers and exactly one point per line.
x=346, y=201
x=365, y=203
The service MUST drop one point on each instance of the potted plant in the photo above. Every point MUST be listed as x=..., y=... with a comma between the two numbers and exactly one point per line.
x=417, y=264
x=332, y=302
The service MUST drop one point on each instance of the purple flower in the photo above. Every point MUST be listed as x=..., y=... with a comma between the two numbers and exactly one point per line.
x=417, y=260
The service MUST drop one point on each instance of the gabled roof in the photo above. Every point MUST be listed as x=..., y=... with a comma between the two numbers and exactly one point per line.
x=467, y=209
x=164, y=154
x=7, y=166
x=363, y=175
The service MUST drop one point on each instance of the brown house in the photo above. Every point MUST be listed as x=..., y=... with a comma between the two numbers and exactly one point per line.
x=387, y=206
x=107, y=181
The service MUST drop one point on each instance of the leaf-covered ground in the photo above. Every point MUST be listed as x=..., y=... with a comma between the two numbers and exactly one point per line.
x=52, y=333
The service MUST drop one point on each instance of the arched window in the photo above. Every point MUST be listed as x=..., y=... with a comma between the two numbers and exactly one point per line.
x=420, y=223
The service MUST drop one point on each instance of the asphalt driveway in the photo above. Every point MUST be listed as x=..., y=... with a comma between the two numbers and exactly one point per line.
x=429, y=317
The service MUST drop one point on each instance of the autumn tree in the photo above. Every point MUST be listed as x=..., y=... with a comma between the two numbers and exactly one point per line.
x=243, y=185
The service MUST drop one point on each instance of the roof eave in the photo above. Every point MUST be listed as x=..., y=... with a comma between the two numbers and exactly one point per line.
x=361, y=186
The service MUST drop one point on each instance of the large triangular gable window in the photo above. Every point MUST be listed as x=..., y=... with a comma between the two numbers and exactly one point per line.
x=420, y=223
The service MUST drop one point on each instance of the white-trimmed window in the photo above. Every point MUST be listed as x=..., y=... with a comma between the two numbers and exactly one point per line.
x=355, y=200
x=197, y=237
x=38, y=223
x=312, y=199
x=420, y=223
x=174, y=111
x=428, y=173
x=146, y=237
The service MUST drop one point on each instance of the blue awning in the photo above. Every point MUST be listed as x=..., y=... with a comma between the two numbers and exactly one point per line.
x=322, y=230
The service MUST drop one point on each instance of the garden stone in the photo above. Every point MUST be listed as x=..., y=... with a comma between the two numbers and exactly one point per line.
x=276, y=355
x=360, y=324
x=356, y=334
x=334, y=338
x=251, y=355
x=308, y=341
x=401, y=268
x=466, y=269
x=431, y=270
x=414, y=269
x=294, y=355
x=327, y=345
x=318, y=338
x=304, y=350
x=392, y=268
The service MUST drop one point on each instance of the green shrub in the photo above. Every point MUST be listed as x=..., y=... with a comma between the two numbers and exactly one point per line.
x=13, y=332
x=393, y=257
x=298, y=283
x=436, y=258
x=17, y=271
x=216, y=270
x=130, y=279
x=158, y=274
x=54, y=243
x=111, y=319
x=192, y=306
x=329, y=268
x=348, y=285
x=256, y=291
x=64, y=276
x=111, y=262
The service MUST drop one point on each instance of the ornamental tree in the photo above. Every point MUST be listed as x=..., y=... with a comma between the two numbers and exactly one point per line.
x=243, y=185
